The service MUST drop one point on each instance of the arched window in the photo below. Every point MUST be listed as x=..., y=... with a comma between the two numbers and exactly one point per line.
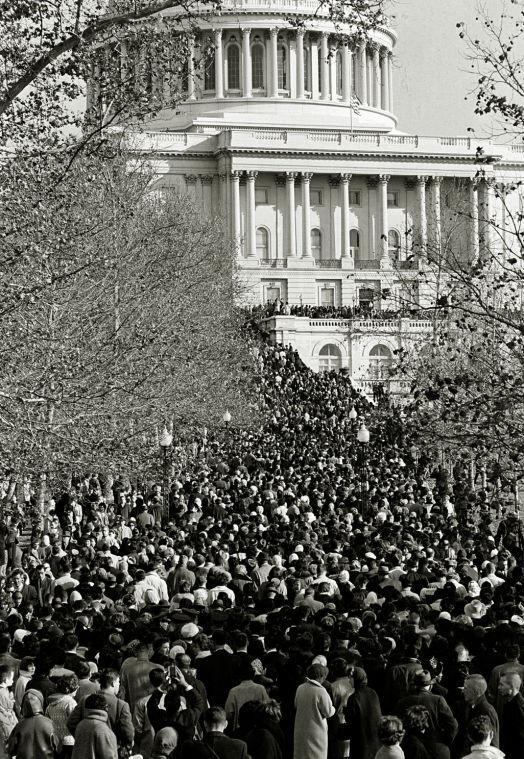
x=380, y=361
x=394, y=244
x=354, y=243
x=233, y=66
x=339, y=72
x=262, y=244
x=282, y=66
x=307, y=66
x=329, y=358
x=257, y=66
x=316, y=244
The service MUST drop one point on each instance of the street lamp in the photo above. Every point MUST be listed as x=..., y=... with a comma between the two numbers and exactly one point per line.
x=165, y=441
x=363, y=439
x=226, y=418
x=353, y=414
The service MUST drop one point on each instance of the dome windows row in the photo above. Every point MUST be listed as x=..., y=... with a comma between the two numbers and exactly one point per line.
x=264, y=251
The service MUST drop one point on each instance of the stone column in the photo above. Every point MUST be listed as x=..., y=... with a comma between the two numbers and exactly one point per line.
x=273, y=86
x=384, y=68
x=390, y=81
x=436, y=242
x=474, y=220
x=246, y=63
x=384, y=225
x=291, y=214
x=345, y=179
x=346, y=73
x=313, y=52
x=251, y=231
x=422, y=219
x=219, y=65
x=235, y=184
x=222, y=196
x=324, y=67
x=300, y=63
x=333, y=71
x=376, y=77
x=306, y=216
x=489, y=215
x=191, y=69
x=362, y=61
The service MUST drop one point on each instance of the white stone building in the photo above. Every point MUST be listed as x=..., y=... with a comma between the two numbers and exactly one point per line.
x=288, y=133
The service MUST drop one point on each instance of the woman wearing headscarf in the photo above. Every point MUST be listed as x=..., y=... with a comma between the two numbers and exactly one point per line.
x=34, y=736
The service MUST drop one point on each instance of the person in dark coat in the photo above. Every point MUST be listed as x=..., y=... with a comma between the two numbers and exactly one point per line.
x=441, y=720
x=362, y=715
x=476, y=705
x=94, y=738
x=512, y=717
x=259, y=728
x=215, y=745
x=34, y=737
x=218, y=671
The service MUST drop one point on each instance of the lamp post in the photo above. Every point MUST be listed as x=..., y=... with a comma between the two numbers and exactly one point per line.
x=226, y=418
x=363, y=440
x=165, y=441
x=353, y=414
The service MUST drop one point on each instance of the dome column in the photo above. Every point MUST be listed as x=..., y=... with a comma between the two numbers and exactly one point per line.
x=390, y=81
x=251, y=233
x=191, y=69
x=273, y=63
x=246, y=62
x=219, y=65
x=306, y=216
x=436, y=221
x=291, y=230
x=376, y=77
x=363, y=79
x=300, y=63
x=315, y=86
x=333, y=70
x=347, y=74
x=324, y=67
x=384, y=68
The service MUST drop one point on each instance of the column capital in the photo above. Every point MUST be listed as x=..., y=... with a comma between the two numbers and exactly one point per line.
x=436, y=180
x=246, y=30
x=206, y=178
x=346, y=177
x=300, y=31
x=191, y=178
x=422, y=180
x=383, y=52
x=373, y=47
x=384, y=178
x=306, y=176
x=236, y=175
x=218, y=34
x=223, y=176
x=274, y=32
x=291, y=175
x=251, y=175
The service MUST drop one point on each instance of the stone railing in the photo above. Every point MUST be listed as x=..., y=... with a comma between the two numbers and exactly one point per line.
x=371, y=265
x=274, y=263
x=333, y=263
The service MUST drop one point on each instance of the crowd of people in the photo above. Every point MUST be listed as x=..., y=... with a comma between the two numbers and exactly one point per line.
x=299, y=595
x=361, y=311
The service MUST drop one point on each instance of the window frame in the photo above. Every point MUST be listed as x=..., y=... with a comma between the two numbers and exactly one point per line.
x=265, y=190
x=265, y=231
x=233, y=43
x=312, y=231
x=257, y=43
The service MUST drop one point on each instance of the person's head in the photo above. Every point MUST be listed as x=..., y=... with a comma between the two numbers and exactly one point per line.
x=474, y=688
x=83, y=670
x=416, y=719
x=7, y=675
x=480, y=731
x=214, y=719
x=67, y=684
x=157, y=677
x=69, y=642
x=510, y=684
x=28, y=664
x=390, y=730
x=96, y=701
x=109, y=681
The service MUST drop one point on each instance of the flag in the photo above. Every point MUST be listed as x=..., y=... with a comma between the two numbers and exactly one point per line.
x=355, y=104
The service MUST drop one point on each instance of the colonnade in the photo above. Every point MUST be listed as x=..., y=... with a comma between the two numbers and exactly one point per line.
x=427, y=235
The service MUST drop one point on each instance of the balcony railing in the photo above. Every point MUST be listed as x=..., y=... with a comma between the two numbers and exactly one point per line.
x=333, y=263
x=274, y=263
x=371, y=265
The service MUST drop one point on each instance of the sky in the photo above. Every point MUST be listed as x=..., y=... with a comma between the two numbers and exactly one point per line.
x=431, y=77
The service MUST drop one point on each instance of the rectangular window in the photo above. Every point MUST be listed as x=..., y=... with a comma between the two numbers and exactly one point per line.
x=327, y=296
x=354, y=197
x=282, y=67
x=261, y=196
x=315, y=197
x=393, y=200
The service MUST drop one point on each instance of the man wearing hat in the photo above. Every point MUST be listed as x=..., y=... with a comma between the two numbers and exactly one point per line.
x=441, y=720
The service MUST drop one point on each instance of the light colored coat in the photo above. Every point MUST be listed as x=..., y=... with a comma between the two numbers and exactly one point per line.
x=314, y=707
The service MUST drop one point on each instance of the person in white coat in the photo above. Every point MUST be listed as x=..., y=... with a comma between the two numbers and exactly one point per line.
x=313, y=709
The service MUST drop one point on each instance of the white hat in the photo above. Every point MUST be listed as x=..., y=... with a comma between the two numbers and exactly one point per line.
x=189, y=630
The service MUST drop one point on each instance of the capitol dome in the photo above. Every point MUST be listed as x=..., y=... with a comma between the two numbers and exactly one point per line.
x=260, y=63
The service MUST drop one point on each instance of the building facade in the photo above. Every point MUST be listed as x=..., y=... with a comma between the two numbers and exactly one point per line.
x=288, y=134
